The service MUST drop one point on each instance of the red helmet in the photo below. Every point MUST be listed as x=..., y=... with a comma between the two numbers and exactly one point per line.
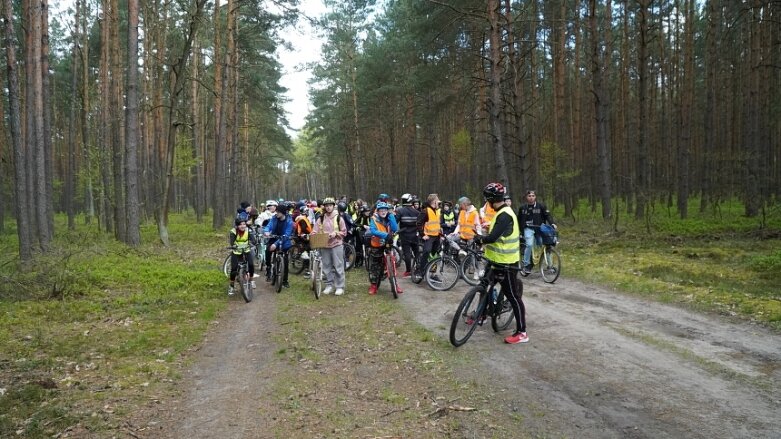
x=494, y=192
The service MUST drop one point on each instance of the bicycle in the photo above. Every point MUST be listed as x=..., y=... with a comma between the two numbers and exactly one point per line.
x=316, y=272
x=443, y=271
x=277, y=265
x=297, y=262
x=389, y=259
x=544, y=254
x=473, y=265
x=245, y=280
x=349, y=256
x=482, y=301
x=226, y=265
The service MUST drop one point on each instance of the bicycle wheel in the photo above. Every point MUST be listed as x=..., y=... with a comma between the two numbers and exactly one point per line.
x=502, y=314
x=315, y=277
x=550, y=265
x=349, y=256
x=319, y=279
x=441, y=274
x=390, y=266
x=473, y=268
x=273, y=268
x=397, y=256
x=414, y=276
x=468, y=315
x=296, y=262
x=246, y=286
x=226, y=266
x=279, y=271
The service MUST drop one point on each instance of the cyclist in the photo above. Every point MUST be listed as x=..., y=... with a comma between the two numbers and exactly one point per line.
x=280, y=225
x=243, y=211
x=532, y=214
x=429, y=227
x=303, y=227
x=502, y=249
x=382, y=227
x=448, y=218
x=407, y=217
x=332, y=223
x=240, y=237
x=468, y=221
x=263, y=219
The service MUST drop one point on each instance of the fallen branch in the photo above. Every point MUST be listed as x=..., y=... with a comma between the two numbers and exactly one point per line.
x=442, y=411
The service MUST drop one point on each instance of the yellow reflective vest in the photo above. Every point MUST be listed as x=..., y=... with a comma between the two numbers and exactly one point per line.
x=506, y=250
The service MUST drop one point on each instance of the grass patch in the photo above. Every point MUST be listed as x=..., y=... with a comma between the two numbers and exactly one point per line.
x=718, y=261
x=95, y=327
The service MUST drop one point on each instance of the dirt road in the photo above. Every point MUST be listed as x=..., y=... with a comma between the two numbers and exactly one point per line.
x=599, y=365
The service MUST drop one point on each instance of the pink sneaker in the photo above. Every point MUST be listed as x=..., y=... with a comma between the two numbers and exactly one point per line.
x=372, y=289
x=518, y=337
x=399, y=290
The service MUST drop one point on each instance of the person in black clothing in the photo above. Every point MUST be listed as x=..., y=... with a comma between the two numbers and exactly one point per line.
x=531, y=215
x=407, y=217
x=361, y=227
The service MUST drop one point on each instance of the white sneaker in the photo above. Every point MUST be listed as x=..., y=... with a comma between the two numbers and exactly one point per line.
x=253, y=284
x=305, y=256
x=339, y=291
x=328, y=290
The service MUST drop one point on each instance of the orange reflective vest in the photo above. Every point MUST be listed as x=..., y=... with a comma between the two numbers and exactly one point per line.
x=466, y=224
x=382, y=228
x=433, y=222
x=489, y=213
x=300, y=229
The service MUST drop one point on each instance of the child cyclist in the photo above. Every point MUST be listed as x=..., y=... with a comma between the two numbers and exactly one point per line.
x=381, y=228
x=281, y=226
x=240, y=239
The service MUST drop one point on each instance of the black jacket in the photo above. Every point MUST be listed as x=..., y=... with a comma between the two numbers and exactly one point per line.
x=534, y=215
x=407, y=217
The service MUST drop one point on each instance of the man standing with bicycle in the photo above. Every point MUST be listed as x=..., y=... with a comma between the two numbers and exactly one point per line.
x=502, y=250
x=381, y=228
x=332, y=223
x=532, y=215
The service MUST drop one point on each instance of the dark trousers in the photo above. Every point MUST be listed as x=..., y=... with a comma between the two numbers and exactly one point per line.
x=376, y=265
x=430, y=245
x=409, y=248
x=235, y=265
x=512, y=288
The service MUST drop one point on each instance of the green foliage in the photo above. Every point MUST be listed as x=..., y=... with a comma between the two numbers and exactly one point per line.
x=461, y=144
x=97, y=326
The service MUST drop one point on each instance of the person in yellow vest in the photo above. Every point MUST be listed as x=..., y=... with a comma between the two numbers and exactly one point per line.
x=240, y=239
x=468, y=224
x=502, y=249
x=429, y=226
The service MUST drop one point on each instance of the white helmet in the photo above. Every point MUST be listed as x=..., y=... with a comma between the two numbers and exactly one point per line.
x=271, y=203
x=406, y=199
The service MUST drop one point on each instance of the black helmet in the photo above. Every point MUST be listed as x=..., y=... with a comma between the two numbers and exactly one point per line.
x=240, y=220
x=494, y=192
x=283, y=208
x=342, y=206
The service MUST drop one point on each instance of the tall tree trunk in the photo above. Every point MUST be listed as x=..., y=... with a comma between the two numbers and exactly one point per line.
x=599, y=63
x=133, y=236
x=85, y=106
x=70, y=174
x=198, y=140
x=104, y=138
x=48, y=150
x=38, y=134
x=752, y=184
x=23, y=231
x=351, y=54
x=687, y=103
x=176, y=84
x=711, y=66
x=641, y=173
x=115, y=99
x=495, y=109
x=218, y=193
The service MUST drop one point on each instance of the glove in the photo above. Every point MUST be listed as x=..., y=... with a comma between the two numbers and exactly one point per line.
x=478, y=239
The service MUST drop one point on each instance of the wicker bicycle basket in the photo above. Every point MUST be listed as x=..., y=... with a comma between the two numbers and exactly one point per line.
x=318, y=240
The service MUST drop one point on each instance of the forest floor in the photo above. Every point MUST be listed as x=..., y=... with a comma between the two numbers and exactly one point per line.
x=599, y=364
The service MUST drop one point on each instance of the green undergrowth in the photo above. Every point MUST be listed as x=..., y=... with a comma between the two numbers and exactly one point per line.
x=718, y=261
x=95, y=327
x=393, y=377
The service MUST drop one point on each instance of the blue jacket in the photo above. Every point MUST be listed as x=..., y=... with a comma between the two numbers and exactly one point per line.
x=390, y=222
x=280, y=227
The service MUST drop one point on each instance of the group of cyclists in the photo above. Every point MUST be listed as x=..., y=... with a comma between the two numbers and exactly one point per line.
x=419, y=226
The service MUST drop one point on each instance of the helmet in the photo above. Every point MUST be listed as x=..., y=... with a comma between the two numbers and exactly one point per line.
x=239, y=220
x=283, y=208
x=342, y=206
x=242, y=216
x=281, y=200
x=383, y=197
x=406, y=199
x=271, y=203
x=364, y=209
x=300, y=204
x=329, y=200
x=304, y=210
x=382, y=205
x=447, y=203
x=494, y=192
x=414, y=199
x=507, y=197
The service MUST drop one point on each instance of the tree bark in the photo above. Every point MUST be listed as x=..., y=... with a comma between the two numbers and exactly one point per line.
x=70, y=174
x=641, y=173
x=133, y=236
x=687, y=103
x=36, y=111
x=23, y=231
x=599, y=63
x=218, y=193
x=495, y=107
